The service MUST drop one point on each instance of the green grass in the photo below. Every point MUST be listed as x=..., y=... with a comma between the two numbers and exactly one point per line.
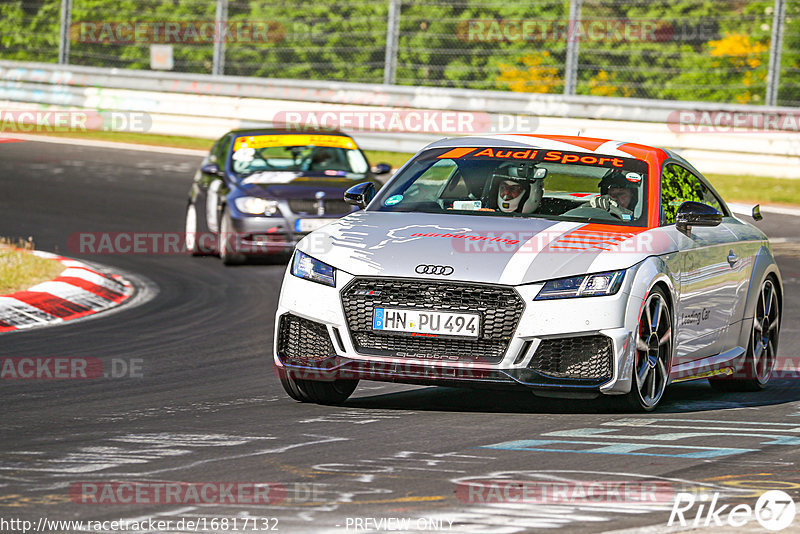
x=395, y=159
x=19, y=269
x=747, y=189
x=756, y=189
x=139, y=139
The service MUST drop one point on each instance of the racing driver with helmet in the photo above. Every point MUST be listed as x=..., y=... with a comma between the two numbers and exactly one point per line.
x=618, y=195
x=519, y=187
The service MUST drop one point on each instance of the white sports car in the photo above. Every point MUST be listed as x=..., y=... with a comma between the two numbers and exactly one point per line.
x=572, y=266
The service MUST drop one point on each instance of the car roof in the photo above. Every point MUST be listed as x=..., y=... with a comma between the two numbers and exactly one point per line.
x=283, y=131
x=571, y=143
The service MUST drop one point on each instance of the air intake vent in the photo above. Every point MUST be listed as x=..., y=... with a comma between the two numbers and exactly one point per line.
x=303, y=340
x=587, y=357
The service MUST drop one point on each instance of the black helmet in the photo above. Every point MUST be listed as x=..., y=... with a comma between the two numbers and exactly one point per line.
x=625, y=179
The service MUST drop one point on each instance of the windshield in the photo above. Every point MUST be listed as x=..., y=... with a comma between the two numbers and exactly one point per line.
x=514, y=182
x=327, y=154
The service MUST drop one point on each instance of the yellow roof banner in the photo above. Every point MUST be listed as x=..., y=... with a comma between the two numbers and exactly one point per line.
x=263, y=141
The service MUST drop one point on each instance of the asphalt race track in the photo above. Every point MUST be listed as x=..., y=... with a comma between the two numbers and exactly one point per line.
x=204, y=405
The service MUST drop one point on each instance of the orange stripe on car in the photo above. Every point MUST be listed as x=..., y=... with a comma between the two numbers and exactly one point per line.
x=456, y=153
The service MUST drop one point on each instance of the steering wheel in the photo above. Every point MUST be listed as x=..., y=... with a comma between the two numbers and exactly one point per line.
x=591, y=213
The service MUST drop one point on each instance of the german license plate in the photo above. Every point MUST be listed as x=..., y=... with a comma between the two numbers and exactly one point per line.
x=309, y=225
x=427, y=322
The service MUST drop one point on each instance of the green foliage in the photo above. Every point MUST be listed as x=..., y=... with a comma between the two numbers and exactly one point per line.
x=709, y=50
x=27, y=34
x=678, y=185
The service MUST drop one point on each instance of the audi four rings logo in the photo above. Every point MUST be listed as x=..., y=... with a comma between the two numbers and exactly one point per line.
x=443, y=270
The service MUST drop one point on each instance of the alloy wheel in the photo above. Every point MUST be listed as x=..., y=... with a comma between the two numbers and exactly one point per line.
x=764, y=341
x=653, y=350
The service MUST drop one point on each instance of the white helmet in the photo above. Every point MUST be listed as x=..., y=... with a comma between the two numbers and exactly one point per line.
x=515, y=194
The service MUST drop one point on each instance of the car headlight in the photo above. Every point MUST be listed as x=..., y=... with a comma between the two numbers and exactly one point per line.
x=589, y=285
x=304, y=266
x=256, y=206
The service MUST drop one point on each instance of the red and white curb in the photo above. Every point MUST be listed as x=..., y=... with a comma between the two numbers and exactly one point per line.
x=79, y=290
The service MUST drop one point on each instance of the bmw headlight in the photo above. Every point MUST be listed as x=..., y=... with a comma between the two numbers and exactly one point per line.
x=256, y=206
x=304, y=266
x=589, y=285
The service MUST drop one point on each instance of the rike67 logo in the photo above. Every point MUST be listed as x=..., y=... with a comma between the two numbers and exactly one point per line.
x=774, y=510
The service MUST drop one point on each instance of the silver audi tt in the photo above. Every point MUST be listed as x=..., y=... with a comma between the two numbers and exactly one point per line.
x=571, y=266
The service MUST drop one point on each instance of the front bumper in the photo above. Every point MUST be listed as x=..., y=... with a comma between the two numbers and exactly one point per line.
x=543, y=353
x=267, y=235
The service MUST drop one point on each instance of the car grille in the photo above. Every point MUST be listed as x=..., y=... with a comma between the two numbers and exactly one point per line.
x=587, y=357
x=304, y=340
x=500, y=309
x=309, y=206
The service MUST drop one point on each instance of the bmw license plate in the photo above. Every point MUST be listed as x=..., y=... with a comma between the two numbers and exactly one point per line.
x=427, y=322
x=309, y=225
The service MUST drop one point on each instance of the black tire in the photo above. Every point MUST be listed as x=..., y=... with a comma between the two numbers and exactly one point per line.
x=654, y=342
x=228, y=243
x=335, y=392
x=762, y=348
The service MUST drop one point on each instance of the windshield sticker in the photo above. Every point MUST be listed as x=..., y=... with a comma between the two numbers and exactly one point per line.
x=469, y=237
x=507, y=154
x=244, y=154
x=560, y=157
x=554, y=156
x=469, y=205
x=391, y=201
x=264, y=141
x=267, y=177
x=633, y=177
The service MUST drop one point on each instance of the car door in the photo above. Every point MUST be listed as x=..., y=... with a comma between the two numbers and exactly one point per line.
x=741, y=256
x=744, y=251
x=707, y=282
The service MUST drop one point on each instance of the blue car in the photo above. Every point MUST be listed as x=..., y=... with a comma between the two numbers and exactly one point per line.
x=258, y=192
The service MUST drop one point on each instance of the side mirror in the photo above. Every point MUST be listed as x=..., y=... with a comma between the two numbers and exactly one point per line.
x=692, y=213
x=757, y=212
x=211, y=168
x=382, y=168
x=360, y=194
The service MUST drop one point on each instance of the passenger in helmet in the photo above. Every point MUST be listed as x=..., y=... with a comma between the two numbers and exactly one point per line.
x=517, y=189
x=616, y=193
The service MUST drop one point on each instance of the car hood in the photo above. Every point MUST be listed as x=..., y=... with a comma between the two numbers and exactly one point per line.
x=296, y=184
x=479, y=249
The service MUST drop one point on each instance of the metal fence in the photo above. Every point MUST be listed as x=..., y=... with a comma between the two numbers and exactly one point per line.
x=732, y=51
